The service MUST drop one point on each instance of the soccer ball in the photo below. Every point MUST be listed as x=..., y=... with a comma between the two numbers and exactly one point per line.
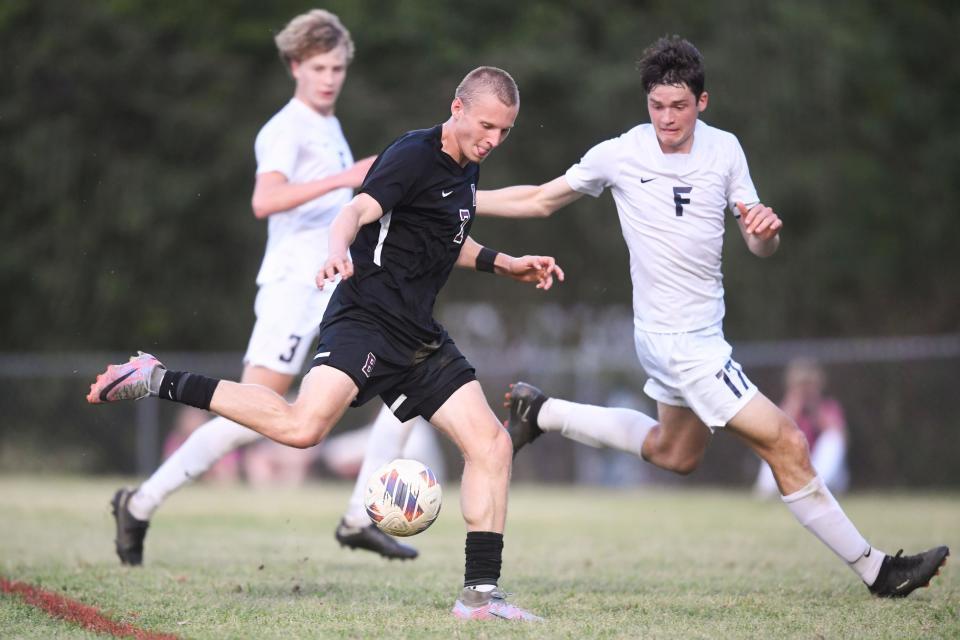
x=403, y=497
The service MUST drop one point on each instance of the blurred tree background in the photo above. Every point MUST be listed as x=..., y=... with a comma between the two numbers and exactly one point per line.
x=127, y=131
x=128, y=126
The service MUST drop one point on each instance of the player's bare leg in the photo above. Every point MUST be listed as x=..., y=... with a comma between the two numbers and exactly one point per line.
x=678, y=442
x=776, y=439
x=468, y=420
x=325, y=394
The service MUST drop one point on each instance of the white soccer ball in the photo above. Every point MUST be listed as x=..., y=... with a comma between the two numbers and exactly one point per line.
x=403, y=497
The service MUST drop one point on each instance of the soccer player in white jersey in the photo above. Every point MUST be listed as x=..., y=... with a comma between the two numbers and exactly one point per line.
x=305, y=174
x=671, y=181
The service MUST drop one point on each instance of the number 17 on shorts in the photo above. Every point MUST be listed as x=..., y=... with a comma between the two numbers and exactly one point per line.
x=732, y=375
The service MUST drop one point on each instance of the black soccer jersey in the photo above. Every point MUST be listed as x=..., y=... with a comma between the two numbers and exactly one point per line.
x=403, y=260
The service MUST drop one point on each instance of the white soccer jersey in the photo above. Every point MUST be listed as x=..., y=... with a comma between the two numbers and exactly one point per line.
x=302, y=145
x=671, y=209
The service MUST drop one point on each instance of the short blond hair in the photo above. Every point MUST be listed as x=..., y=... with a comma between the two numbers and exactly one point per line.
x=316, y=31
x=489, y=80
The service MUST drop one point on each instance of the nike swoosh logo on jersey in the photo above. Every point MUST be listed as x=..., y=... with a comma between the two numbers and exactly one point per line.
x=446, y=193
x=110, y=387
x=903, y=584
x=646, y=180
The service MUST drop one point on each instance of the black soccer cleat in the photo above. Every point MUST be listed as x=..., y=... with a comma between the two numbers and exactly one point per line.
x=372, y=539
x=524, y=401
x=900, y=574
x=130, y=531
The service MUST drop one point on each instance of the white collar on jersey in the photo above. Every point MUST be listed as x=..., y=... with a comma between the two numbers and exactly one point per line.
x=680, y=163
x=303, y=108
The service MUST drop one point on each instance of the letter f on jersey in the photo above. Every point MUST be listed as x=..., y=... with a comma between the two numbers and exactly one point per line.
x=679, y=200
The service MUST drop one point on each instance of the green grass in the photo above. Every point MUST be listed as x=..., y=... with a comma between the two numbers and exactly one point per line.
x=653, y=563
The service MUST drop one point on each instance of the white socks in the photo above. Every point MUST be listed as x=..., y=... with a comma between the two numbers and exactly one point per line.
x=386, y=443
x=623, y=429
x=817, y=510
x=204, y=447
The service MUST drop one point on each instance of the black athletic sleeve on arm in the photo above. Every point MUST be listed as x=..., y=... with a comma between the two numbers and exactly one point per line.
x=395, y=173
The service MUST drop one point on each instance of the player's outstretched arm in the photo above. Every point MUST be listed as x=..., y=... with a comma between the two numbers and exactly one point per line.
x=526, y=201
x=760, y=228
x=273, y=193
x=540, y=269
x=362, y=210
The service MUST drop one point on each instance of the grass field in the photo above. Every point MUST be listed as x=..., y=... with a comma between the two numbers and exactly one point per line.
x=237, y=563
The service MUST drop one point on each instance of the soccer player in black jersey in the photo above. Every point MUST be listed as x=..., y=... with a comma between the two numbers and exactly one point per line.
x=406, y=229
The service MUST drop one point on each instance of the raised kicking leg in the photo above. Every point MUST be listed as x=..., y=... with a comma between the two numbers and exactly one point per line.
x=325, y=394
x=676, y=441
x=532, y=413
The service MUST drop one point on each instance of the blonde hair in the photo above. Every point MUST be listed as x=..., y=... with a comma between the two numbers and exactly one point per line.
x=489, y=80
x=316, y=31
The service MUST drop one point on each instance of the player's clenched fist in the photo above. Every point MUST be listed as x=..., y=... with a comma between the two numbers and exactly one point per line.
x=760, y=220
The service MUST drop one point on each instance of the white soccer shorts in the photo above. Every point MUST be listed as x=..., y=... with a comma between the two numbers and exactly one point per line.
x=694, y=370
x=288, y=317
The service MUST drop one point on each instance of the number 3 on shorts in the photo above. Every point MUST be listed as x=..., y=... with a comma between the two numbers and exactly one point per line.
x=733, y=377
x=294, y=343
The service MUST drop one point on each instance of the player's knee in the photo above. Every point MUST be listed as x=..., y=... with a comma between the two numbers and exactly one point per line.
x=794, y=444
x=304, y=433
x=676, y=456
x=685, y=464
x=502, y=449
x=489, y=448
x=302, y=439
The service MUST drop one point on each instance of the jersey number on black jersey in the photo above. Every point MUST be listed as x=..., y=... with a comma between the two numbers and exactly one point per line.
x=464, y=219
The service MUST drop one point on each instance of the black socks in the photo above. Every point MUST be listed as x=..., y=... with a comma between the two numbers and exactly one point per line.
x=188, y=388
x=484, y=553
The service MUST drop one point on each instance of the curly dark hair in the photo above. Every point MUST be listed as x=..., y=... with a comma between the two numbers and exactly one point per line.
x=671, y=60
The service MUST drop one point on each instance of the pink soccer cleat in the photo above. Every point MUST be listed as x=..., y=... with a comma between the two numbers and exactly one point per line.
x=489, y=605
x=128, y=381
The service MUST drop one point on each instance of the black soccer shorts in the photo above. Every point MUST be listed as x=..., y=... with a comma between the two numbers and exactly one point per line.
x=408, y=389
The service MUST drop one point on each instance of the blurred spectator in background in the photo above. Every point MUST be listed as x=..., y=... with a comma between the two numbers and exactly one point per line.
x=821, y=420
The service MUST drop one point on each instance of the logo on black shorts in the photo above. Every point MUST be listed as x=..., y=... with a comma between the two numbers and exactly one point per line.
x=370, y=364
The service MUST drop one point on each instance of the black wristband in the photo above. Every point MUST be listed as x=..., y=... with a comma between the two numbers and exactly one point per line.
x=485, y=259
